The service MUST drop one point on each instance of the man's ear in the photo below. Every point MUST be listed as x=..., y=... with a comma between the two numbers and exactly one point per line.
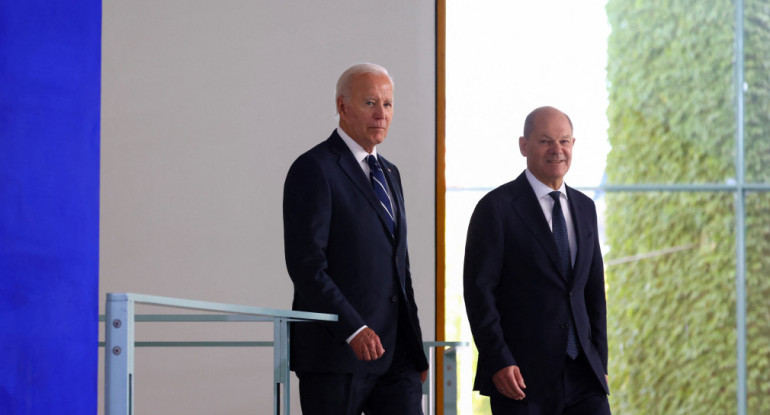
x=340, y=105
x=522, y=146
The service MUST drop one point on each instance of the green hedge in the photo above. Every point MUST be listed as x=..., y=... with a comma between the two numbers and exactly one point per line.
x=671, y=265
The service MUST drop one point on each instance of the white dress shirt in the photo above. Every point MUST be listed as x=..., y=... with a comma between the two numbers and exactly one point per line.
x=360, y=155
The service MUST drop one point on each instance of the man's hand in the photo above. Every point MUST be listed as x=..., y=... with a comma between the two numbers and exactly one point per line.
x=509, y=382
x=367, y=345
x=423, y=375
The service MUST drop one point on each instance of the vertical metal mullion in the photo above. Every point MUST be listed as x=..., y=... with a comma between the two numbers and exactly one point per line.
x=740, y=211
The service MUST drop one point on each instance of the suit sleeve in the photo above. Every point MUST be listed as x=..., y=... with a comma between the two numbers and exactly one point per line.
x=307, y=217
x=481, y=275
x=596, y=301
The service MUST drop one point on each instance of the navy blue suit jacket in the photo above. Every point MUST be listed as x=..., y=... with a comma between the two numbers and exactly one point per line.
x=517, y=299
x=343, y=260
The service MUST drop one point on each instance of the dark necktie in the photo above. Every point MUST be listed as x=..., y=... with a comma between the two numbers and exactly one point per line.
x=565, y=263
x=378, y=183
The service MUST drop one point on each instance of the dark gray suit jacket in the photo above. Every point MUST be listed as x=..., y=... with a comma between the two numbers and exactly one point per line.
x=517, y=299
x=343, y=260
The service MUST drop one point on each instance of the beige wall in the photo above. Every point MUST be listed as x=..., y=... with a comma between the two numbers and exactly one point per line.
x=205, y=104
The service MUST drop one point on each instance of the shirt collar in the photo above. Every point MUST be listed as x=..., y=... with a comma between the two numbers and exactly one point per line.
x=541, y=189
x=358, y=152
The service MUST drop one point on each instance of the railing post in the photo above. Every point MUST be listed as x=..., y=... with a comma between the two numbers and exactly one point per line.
x=119, y=355
x=428, y=387
x=281, y=366
x=450, y=381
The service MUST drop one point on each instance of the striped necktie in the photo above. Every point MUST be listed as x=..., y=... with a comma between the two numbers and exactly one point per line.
x=377, y=178
x=562, y=244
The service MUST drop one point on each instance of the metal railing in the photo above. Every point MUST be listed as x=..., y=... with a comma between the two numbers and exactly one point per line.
x=450, y=376
x=120, y=344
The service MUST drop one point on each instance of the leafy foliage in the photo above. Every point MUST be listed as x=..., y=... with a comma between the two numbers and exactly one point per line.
x=671, y=267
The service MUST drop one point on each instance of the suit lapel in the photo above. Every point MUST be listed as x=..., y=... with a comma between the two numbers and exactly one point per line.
x=584, y=231
x=353, y=171
x=527, y=207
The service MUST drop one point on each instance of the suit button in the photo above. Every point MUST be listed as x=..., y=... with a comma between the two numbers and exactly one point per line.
x=564, y=325
x=394, y=299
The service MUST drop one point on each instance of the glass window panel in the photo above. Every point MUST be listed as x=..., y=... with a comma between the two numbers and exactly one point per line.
x=506, y=58
x=459, y=207
x=757, y=90
x=670, y=76
x=670, y=120
x=757, y=304
x=670, y=274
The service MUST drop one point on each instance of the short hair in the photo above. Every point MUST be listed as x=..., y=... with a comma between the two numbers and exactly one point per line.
x=529, y=122
x=345, y=81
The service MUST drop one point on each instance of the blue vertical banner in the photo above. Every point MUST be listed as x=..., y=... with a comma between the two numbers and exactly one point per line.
x=50, y=63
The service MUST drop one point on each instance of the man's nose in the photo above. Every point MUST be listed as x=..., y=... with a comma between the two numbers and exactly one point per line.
x=380, y=111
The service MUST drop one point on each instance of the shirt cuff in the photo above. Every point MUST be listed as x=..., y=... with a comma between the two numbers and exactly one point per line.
x=355, y=333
